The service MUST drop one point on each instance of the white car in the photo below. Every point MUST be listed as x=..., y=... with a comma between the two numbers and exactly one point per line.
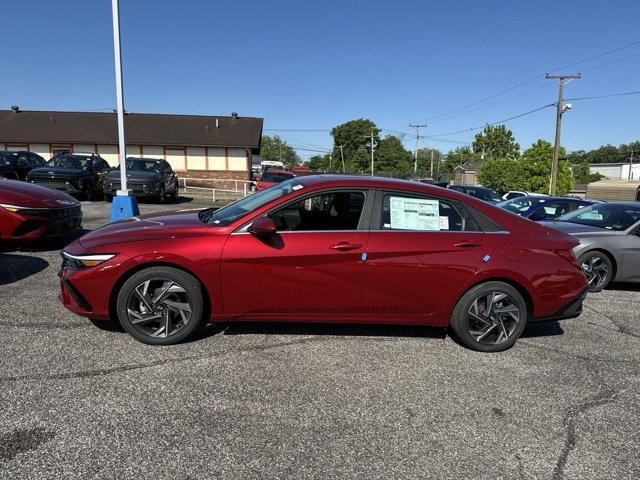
x=517, y=193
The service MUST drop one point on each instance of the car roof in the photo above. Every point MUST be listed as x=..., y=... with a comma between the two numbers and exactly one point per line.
x=145, y=159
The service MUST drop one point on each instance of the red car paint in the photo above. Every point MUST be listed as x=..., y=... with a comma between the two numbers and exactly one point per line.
x=44, y=211
x=406, y=277
x=271, y=178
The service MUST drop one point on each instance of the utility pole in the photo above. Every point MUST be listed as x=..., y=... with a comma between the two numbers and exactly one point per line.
x=342, y=157
x=431, y=176
x=415, y=152
x=560, y=109
x=631, y=165
x=372, y=149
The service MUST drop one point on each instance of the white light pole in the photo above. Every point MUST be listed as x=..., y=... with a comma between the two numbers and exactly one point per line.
x=124, y=205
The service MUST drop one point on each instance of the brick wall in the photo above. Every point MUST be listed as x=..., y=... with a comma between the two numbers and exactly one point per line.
x=214, y=179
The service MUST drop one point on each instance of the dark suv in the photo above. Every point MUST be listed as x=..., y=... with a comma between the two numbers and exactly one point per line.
x=16, y=165
x=77, y=174
x=482, y=193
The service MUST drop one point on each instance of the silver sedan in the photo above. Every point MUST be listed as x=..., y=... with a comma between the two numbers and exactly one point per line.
x=609, y=235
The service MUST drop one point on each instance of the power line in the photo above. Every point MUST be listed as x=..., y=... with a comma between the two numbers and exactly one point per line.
x=596, y=56
x=609, y=63
x=604, y=96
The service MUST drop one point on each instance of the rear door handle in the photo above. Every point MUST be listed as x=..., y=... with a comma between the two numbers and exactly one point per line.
x=346, y=246
x=468, y=244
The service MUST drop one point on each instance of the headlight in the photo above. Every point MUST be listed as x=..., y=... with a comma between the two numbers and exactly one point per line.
x=22, y=210
x=86, y=261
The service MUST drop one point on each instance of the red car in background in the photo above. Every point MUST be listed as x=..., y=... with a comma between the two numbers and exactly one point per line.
x=28, y=211
x=328, y=248
x=270, y=177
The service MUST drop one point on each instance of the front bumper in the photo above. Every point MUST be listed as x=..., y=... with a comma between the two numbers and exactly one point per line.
x=31, y=227
x=572, y=310
x=137, y=190
x=69, y=186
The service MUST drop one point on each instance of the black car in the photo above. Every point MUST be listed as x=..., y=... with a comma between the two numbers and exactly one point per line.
x=146, y=177
x=78, y=174
x=16, y=165
x=482, y=193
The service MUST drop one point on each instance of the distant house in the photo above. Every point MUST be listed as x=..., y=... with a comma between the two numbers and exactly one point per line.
x=465, y=174
x=196, y=146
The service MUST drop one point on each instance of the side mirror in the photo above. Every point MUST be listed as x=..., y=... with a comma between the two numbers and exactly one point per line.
x=262, y=227
x=538, y=215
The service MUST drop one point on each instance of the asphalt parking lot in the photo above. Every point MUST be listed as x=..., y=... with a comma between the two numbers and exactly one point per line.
x=309, y=401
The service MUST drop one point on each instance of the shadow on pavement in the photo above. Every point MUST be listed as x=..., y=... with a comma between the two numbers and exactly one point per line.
x=624, y=287
x=542, y=329
x=18, y=267
x=45, y=244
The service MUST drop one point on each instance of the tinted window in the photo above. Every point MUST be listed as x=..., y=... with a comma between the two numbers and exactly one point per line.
x=611, y=216
x=520, y=204
x=6, y=157
x=402, y=211
x=514, y=195
x=277, y=177
x=69, y=161
x=325, y=211
x=144, y=165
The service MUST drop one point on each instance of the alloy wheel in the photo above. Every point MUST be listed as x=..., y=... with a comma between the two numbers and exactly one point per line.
x=493, y=318
x=596, y=270
x=159, y=308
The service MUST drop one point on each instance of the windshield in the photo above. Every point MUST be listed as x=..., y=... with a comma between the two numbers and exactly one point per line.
x=271, y=176
x=488, y=195
x=5, y=157
x=612, y=216
x=143, y=165
x=520, y=204
x=232, y=212
x=69, y=161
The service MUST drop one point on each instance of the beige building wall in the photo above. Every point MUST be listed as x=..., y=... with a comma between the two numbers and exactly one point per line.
x=237, y=159
x=152, y=151
x=84, y=148
x=41, y=149
x=109, y=153
x=196, y=158
x=217, y=160
x=177, y=158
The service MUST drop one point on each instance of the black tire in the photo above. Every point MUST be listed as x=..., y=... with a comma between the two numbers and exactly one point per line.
x=463, y=323
x=174, y=194
x=161, y=195
x=598, y=268
x=108, y=198
x=192, y=293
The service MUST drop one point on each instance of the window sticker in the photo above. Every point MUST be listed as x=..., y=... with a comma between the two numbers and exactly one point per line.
x=444, y=222
x=296, y=187
x=414, y=214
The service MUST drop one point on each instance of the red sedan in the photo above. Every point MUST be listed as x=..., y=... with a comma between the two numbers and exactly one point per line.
x=328, y=249
x=271, y=177
x=30, y=211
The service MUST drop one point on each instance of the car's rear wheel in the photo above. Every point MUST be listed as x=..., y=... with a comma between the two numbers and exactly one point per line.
x=598, y=269
x=490, y=317
x=160, y=305
x=108, y=197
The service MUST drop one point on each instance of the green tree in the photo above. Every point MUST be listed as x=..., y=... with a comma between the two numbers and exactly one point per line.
x=502, y=174
x=424, y=159
x=496, y=142
x=355, y=136
x=581, y=173
x=318, y=163
x=391, y=156
x=275, y=148
x=537, y=169
x=458, y=156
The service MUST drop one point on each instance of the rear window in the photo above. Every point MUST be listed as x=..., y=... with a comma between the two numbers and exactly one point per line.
x=276, y=177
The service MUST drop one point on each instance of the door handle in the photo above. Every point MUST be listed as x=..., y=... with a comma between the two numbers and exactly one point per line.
x=346, y=246
x=468, y=244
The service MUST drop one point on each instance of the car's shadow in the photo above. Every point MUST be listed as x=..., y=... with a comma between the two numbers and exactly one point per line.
x=44, y=244
x=167, y=201
x=18, y=267
x=624, y=287
x=542, y=329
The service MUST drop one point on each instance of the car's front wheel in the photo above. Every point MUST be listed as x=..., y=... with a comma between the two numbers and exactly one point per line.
x=490, y=317
x=160, y=305
x=598, y=269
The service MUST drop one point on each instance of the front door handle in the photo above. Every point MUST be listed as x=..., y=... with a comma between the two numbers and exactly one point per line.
x=468, y=244
x=346, y=246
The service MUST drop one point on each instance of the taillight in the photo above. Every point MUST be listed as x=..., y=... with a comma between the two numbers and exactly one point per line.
x=568, y=255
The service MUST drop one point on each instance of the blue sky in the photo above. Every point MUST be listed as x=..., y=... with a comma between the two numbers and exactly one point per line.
x=312, y=65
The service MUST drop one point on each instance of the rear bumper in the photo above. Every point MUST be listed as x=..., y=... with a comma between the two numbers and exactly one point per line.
x=572, y=310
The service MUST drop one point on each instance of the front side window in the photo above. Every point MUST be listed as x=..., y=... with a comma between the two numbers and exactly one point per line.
x=401, y=211
x=69, y=161
x=519, y=204
x=339, y=210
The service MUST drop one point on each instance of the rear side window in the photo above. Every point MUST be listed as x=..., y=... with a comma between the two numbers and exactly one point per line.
x=404, y=211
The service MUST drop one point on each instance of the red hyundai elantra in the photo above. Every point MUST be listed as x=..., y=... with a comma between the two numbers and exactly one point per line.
x=30, y=211
x=328, y=249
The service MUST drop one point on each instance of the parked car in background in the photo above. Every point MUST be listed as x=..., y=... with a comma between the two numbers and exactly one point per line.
x=146, y=177
x=609, y=235
x=397, y=252
x=518, y=193
x=77, y=174
x=544, y=207
x=483, y=193
x=16, y=165
x=270, y=177
x=30, y=211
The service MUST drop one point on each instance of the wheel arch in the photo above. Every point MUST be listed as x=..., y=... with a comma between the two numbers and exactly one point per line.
x=608, y=253
x=113, y=295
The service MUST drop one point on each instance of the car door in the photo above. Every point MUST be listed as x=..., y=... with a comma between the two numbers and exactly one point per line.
x=167, y=177
x=312, y=266
x=421, y=250
x=22, y=165
x=630, y=265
